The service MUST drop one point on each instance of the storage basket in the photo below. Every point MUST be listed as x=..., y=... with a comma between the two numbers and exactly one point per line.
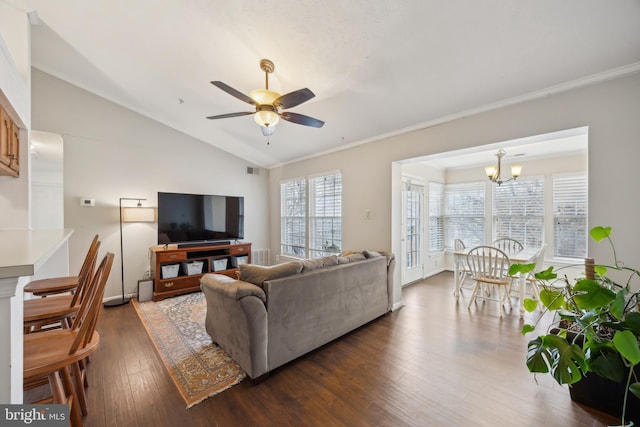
x=192, y=267
x=169, y=271
x=239, y=260
x=220, y=264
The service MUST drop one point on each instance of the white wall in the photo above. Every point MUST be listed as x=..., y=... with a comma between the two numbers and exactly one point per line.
x=112, y=152
x=610, y=110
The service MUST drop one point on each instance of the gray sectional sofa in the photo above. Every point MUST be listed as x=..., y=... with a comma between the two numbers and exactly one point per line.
x=275, y=314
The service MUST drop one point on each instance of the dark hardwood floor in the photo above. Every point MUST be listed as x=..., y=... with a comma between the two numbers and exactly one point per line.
x=430, y=363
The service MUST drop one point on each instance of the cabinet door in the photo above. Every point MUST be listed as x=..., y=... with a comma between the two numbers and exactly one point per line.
x=14, y=147
x=5, y=132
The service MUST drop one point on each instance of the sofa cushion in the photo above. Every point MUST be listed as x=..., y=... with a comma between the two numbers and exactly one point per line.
x=257, y=274
x=318, y=263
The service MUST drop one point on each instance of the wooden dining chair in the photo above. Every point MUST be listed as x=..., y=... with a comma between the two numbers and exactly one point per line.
x=490, y=269
x=508, y=245
x=39, y=312
x=58, y=285
x=55, y=354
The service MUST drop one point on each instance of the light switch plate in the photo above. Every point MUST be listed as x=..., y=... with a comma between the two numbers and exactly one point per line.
x=86, y=201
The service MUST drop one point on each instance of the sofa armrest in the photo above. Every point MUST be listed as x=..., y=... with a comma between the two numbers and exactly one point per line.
x=237, y=320
x=231, y=288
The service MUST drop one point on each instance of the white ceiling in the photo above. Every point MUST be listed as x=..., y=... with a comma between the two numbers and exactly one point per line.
x=377, y=67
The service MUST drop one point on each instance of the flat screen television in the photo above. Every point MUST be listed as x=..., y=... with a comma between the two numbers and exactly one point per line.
x=192, y=218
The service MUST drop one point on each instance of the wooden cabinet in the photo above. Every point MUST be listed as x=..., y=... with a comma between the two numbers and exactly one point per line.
x=178, y=270
x=9, y=145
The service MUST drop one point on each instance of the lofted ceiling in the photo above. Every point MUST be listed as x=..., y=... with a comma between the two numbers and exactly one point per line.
x=377, y=67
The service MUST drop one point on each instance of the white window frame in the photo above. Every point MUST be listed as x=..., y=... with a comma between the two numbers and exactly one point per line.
x=307, y=218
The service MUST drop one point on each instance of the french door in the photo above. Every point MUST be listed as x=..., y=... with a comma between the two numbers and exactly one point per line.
x=413, y=232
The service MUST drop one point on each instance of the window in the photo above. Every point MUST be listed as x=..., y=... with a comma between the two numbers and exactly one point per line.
x=325, y=215
x=436, y=217
x=570, y=216
x=311, y=216
x=464, y=213
x=518, y=211
x=293, y=213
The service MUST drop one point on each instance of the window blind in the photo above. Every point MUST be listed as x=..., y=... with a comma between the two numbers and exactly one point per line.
x=518, y=211
x=436, y=217
x=570, y=206
x=464, y=213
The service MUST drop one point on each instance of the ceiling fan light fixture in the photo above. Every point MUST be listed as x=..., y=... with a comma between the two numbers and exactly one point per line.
x=267, y=131
x=266, y=117
x=264, y=96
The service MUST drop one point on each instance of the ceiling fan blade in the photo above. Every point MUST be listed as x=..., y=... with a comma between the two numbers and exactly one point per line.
x=231, y=91
x=225, y=116
x=292, y=99
x=301, y=119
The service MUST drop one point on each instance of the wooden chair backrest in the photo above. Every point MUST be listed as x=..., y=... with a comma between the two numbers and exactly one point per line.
x=488, y=263
x=508, y=245
x=89, y=311
x=88, y=266
x=86, y=272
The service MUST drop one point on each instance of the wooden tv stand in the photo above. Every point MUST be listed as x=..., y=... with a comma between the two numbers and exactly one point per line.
x=172, y=268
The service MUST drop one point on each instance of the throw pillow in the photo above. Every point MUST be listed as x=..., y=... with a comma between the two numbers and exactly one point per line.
x=257, y=274
x=353, y=257
x=318, y=263
x=371, y=254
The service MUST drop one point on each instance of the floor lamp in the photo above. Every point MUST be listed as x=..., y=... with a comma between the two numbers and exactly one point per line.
x=137, y=213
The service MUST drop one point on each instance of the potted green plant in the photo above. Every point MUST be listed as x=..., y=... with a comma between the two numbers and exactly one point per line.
x=595, y=331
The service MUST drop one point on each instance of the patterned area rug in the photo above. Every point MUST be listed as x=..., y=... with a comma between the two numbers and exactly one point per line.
x=199, y=368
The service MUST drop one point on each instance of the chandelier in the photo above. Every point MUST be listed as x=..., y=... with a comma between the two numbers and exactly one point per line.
x=493, y=172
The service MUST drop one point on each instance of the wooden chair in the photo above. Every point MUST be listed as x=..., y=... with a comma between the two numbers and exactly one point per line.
x=53, y=354
x=490, y=267
x=39, y=312
x=58, y=285
x=508, y=245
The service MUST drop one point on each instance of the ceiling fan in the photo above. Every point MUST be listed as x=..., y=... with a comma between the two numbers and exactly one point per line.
x=269, y=104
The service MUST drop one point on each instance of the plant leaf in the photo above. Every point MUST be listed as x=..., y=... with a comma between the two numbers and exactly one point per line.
x=566, y=361
x=547, y=274
x=599, y=233
x=635, y=389
x=589, y=294
x=526, y=328
x=632, y=322
x=600, y=270
x=608, y=365
x=552, y=299
x=538, y=358
x=530, y=305
x=617, y=308
x=521, y=268
x=627, y=344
